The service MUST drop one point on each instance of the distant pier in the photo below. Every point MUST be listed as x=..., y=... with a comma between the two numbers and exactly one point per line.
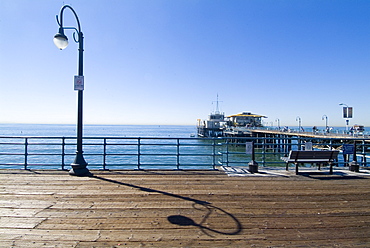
x=278, y=133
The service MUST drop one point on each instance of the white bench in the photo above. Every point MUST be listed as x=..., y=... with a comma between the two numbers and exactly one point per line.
x=312, y=157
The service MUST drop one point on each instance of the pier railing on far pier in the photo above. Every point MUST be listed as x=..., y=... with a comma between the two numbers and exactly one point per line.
x=162, y=153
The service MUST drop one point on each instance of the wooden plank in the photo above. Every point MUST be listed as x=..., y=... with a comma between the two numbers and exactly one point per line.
x=20, y=222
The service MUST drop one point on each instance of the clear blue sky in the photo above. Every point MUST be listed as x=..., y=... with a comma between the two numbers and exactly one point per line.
x=165, y=61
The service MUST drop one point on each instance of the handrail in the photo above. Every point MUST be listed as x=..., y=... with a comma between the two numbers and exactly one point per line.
x=30, y=152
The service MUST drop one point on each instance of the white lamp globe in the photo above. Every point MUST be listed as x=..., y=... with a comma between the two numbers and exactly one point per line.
x=60, y=41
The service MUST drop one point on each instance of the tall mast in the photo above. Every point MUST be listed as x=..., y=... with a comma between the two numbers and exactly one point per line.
x=217, y=109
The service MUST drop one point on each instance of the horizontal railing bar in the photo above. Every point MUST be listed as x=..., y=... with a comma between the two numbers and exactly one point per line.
x=119, y=154
x=33, y=164
x=38, y=137
x=11, y=154
x=153, y=165
x=45, y=154
x=184, y=138
x=15, y=143
x=166, y=144
x=114, y=144
x=16, y=164
x=43, y=143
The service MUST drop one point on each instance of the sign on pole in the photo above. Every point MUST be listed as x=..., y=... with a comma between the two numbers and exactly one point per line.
x=79, y=83
x=348, y=149
x=308, y=146
x=347, y=112
x=350, y=111
x=249, y=148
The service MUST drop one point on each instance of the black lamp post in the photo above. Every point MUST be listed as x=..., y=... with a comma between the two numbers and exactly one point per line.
x=61, y=41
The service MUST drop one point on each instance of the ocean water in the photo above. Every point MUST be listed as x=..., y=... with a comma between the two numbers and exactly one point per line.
x=67, y=130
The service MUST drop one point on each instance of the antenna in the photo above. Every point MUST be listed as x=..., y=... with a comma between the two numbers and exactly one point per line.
x=217, y=109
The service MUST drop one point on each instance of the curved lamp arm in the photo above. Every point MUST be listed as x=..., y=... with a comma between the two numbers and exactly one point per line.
x=60, y=39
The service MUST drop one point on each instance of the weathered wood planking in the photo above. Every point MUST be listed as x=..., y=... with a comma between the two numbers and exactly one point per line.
x=181, y=209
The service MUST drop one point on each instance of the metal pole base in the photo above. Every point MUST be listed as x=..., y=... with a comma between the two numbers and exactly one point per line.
x=79, y=167
x=354, y=166
x=80, y=172
x=253, y=166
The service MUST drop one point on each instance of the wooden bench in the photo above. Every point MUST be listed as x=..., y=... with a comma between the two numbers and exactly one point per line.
x=313, y=157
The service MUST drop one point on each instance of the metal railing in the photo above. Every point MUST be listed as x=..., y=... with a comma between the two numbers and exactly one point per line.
x=158, y=153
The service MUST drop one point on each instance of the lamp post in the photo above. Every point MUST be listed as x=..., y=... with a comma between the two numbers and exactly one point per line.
x=299, y=123
x=278, y=122
x=79, y=166
x=326, y=123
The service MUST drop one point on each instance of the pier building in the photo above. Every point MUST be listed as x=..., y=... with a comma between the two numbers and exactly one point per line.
x=213, y=127
x=218, y=125
x=245, y=119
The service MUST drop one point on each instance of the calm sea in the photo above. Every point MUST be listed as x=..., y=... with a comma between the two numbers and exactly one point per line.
x=97, y=130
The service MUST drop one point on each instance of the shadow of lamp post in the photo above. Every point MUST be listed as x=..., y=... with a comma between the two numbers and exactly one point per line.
x=79, y=166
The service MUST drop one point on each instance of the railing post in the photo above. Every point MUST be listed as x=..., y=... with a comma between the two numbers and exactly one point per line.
x=227, y=152
x=105, y=154
x=286, y=145
x=214, y=153
x=138, y=154
x=63, y=152
x=25, y=153
x=363, y=153
x=264, y=151
x=178, y=154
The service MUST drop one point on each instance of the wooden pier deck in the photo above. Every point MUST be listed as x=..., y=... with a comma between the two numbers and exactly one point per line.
x=183, y=209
